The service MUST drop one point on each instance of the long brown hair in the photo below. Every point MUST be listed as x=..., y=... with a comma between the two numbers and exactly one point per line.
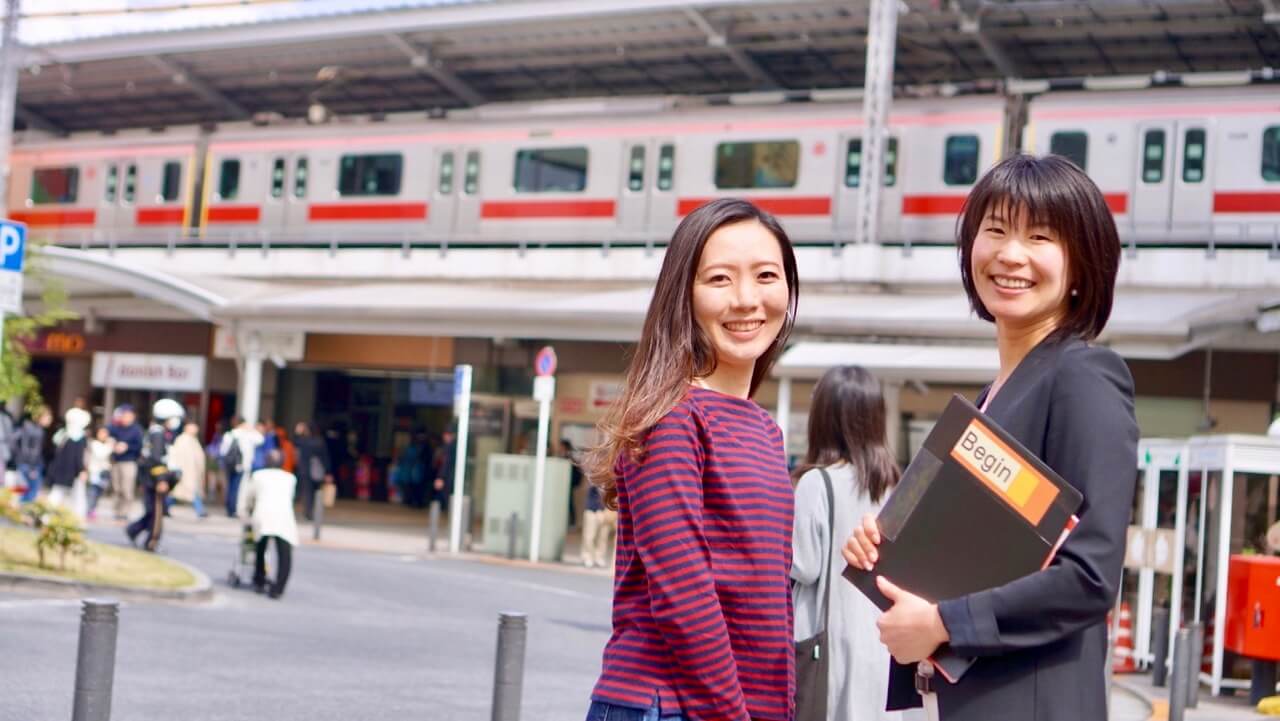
x=673, y=350
x=847, y=425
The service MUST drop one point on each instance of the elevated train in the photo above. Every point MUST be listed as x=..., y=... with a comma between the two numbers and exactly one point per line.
x=1177, y=165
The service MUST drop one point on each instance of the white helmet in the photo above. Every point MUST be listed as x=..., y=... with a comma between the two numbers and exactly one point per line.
x=166, y=409
x=78, y=419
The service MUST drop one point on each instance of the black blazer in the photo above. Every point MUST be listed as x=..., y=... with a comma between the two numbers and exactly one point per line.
x=1041, y=641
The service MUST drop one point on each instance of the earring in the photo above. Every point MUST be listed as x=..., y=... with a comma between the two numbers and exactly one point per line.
x=1074, y=292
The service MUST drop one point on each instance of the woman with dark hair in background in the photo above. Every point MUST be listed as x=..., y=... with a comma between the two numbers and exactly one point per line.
x=848, y=445
x=1039, y=255
x=697, y=472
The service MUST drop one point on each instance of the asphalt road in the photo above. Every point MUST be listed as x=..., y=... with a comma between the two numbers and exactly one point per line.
x=356, y=636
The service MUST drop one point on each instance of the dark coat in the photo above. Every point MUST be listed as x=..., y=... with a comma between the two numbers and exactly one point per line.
x=67, y=463
x=312, y=447
x=1041, y=641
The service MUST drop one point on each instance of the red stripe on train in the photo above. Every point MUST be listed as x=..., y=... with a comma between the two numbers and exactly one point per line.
x=367, y=211
x=1117, y=202
x=1246, y=202
x=53, y=218
x=932, y=204
x=513, y=209
x=159, y=216
x=804, y=205
x=234, y=214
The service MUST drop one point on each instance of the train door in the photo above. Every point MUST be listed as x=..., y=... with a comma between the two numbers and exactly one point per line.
x=1152, y=192
x=1192, y=210
x=441, y=212
x=284, y=213
x=633, y=198
x=849, y=177
x=466, y=212
x=662, y=189
x=108, y=200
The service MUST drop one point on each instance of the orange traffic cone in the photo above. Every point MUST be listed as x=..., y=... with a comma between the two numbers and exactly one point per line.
x=1122, y=659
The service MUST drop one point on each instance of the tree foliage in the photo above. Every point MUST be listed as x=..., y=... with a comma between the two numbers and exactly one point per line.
x=16, y=380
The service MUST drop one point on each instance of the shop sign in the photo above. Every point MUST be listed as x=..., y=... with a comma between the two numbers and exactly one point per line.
x=58, y=342
x=141, y=371
x=287, y=345
x=572, y=405
x=604, y=393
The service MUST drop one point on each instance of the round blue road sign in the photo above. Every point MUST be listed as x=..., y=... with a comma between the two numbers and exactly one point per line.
x=544, y=364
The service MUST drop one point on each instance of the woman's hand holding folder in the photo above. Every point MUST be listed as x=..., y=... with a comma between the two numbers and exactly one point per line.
x=912, y=629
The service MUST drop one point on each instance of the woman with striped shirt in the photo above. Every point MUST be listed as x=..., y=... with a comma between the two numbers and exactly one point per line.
x=702, y=611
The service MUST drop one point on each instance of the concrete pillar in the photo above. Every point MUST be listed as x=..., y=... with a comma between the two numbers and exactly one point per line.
x=784, y=411
x=893, y=416
x=76, y=382
x=882, y=31
x=250, y=393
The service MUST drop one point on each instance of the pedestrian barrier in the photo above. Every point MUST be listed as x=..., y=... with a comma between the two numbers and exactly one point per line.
x=508, y=669
x=95, y=661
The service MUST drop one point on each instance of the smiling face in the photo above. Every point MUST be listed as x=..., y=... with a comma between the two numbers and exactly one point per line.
x=1020, y=270
x=740, y=293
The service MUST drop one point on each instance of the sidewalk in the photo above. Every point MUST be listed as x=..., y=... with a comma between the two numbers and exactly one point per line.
x=364, y=526
x=1210, y=708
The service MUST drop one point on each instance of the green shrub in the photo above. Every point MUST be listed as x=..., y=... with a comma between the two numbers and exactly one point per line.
x=57, y=529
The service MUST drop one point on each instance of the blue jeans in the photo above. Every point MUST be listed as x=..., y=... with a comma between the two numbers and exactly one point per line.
x=233, y=491
x=602, y=711
x=196, y=502
x=32, y=474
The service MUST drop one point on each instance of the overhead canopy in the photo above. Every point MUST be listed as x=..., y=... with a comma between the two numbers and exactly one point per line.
x=892, y=362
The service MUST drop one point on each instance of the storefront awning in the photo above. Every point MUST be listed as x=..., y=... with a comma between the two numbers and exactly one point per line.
x=893, y=362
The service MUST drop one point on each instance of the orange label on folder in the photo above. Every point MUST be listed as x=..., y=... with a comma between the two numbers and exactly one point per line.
x=1019, y=484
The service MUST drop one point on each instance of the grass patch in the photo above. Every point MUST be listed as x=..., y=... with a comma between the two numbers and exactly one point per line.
x=103, y=564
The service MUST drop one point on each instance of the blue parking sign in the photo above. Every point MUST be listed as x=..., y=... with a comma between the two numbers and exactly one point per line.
x=13, y=244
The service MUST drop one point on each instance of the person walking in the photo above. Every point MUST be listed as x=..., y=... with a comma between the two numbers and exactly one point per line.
x=1039, y=254
x=127, y=435
x=239, y=445
x=98, y=463
x=446, y=457
x=187, y=456
x=847, y=473
x=67, y=472
x=702, y=619
x=314, y=466
x=599, y=530
x=268, y=501
x=28, y=451
x=157, y=472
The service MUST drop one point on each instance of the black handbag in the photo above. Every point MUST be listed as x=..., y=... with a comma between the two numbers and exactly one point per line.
x=813, y=659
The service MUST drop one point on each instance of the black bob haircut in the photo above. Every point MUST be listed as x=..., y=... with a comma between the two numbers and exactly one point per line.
x=1052, y=192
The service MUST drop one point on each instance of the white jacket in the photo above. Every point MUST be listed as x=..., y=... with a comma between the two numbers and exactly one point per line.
x=268, y=496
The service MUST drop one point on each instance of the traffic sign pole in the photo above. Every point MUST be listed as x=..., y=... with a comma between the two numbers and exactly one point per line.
x=544, y=390
x=462, y=410
x=13, y=248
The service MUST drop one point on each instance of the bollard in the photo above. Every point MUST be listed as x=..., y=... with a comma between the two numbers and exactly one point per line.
x=1180, y=675
x=1195, y=659
x=317, y=512
x=508, y=669
x=96, y=661
x=1159, y=647
x=513, y=524
x=434, y=524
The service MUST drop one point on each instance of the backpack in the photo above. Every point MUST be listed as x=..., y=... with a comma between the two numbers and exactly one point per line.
x=233, y=459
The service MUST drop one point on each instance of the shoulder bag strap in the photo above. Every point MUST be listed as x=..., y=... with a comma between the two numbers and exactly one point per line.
x=831, y=542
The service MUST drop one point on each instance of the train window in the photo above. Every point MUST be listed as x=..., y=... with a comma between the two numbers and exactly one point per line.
x=1193, y=156
x=277, y=178
x=1153, y=156
x=55, y=185
x=853, y=163
x=370, y=174
x=111, y=184
x=471, y=181
x=1271, y=153
x=300, y=177
x=635, y=169
x=961, y=165
x=767, y=164
x=171, y=182
x=229, y=179
x=1072, y=145
x=130, y=182
x=551, y=170
x=445, y=186
x=666, y=166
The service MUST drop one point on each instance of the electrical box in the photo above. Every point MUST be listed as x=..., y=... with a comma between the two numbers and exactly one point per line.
x=1253, y=607
x=510, y=491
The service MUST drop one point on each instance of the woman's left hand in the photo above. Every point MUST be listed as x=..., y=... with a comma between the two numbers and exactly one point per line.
x=911, y=629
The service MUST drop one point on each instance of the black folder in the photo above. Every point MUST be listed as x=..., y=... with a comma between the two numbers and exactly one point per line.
x=973, y=511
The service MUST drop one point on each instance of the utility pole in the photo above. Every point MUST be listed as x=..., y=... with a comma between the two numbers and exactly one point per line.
x=882, y=32
x=10, y=58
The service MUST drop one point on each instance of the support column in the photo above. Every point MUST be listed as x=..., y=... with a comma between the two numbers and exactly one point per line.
x=250, y=397
x=882, y=30
x=892, y=391
x=10, y=59
x=783, y=415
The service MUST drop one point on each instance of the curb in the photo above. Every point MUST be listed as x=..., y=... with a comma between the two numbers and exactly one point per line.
x=1156, y=710
x=199, y=592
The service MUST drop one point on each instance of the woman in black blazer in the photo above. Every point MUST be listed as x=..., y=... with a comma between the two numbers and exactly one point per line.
x=1038, y=256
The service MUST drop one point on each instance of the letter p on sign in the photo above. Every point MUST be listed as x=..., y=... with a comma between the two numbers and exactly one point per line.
x=13, y=241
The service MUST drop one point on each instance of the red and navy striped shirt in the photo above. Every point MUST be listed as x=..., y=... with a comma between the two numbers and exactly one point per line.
x=702, y=611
